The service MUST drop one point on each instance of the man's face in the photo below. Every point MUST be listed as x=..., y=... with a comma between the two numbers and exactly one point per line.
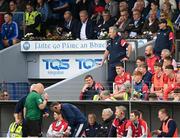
x=136, y=15
x=142, y=70
x=112, y=33
x=137, y=78
x=56, y=108
x=133, y=117
x=176, y=96
x=7, y=18
x=67, y=16
x=168, y=71
x=56, y=116
x=6, y=95
x=162, y=26
x=148, y=52
x=83, y=17
x=124, y=15
x=157, y=69
x=89, y=81
x=105, y=116
x=118, y=113
x=12, y=6
x=106, y=17
x=91, y=119
x=29, y=8
x=153, y=6
x=161, y=116
x=139, y=62
x=119, y=70
x=163, y=55
x=123, y=6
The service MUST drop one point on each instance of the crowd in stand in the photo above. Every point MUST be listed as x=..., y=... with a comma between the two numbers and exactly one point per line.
x=85, y=19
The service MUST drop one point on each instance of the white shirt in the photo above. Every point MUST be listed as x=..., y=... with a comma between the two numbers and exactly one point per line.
x=83, y=31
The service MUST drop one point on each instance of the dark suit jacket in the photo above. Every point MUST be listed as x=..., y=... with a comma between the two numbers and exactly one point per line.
x=89, y=29
x=72, y=28
x=151, y=28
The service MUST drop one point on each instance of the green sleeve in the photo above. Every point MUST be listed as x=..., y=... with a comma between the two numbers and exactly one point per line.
x=39, y=99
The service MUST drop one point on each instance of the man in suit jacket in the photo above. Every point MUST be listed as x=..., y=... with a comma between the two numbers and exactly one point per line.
x=70, y=24
x=85, y=29
x=112, y=6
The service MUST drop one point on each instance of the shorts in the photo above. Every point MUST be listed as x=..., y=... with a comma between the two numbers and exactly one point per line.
x=33, y=128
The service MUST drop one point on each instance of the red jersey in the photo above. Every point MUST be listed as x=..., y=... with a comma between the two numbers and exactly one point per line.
x=170, y=89
x=170, y=81
x=120, y=126
x=150, y=62
x=59, y=126
x=145, y=126
x=158, y=81
x=121, y=79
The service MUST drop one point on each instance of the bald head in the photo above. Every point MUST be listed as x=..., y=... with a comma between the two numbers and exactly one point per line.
x=149, y=51
x=32, y=87
x=39, y=87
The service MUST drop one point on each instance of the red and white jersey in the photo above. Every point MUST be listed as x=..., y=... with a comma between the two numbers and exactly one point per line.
x=121, y=79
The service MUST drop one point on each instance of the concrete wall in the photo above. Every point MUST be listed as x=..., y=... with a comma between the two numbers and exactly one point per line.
x=149, y=109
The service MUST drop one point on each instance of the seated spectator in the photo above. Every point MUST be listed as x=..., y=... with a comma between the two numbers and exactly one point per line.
x=32, y=21
x=122, y=79
x=176, y=95
x=106, y=96
x=172, y=85
x=140, y=88
x=81, y=5
x=155, y=9
x=170, y=80
x=166, y=53
x=136, y=24
x=123, y=6
x=140, y=60
x=123, y=23
x=104, y=24
x=167, y=61
x=151, y=25
x=157, y=80
x=92, y=127
x=147, y=76
x=112, y=6
x=6, y=95
x=70, y=24
x=90, y=88
x=172, y=4
x=1, y=95
x=107, y=117
x=166, y=7
x=59, y=128
x=150, y=58
x=9, y=30
x=165, y=15
x=85, y=29
x=13, y=6
x=97, y=16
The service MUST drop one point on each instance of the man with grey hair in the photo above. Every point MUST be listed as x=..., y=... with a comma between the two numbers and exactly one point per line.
x=118, y=128
x=116, y=51
x=107, y=117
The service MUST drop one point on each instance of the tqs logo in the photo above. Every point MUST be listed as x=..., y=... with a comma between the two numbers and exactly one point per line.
x=56, y=64
x=87, y=63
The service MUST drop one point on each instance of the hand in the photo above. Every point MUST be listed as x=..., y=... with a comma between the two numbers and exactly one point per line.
x=125, y=59
x=46, y=97
x=46, y=115
x=85, y=87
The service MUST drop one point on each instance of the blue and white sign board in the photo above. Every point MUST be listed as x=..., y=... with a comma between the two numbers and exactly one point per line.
x=70, y=45
x=65, y=66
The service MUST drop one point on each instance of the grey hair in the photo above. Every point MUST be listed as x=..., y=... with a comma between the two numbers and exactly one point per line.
x=122, y=108
x=108, y=110
x=114, y=28
x=167, y=52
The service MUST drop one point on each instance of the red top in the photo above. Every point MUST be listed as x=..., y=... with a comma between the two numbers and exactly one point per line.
x=121, y=79
x=150, y=62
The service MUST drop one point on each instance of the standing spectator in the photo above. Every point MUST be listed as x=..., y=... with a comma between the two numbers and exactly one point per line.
x=59, y=127
x=107, y=116
x=150, y=58
x=112, y=6
x=123, y=78
x=134, y=126
x=85, y=29
x=9, y=30
x=116, y=50
x=33, y=110
x=158, y=80
x=3, y=5
x=136, y=24
x=92, y=127
x=73, y=116
x=32, y=21
x=90, y=88
x=118, y=128
x=168, y=127
x=147, y=76
x=151, y=25
x=140, y=60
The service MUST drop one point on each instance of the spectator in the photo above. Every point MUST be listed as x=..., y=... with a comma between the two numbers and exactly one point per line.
x=139, y=86
x=166, y=53
x=116, y=50
x=1, y=96
x=136, y=24
x=147, y=76
x=166, y=7
x=165, y=15
x=46, y=14
x=33, y=110
x=32, y=21
x=112, y=6
x=140, y=60
x=13, y=6
x=107, y=117
x=104, y=24
x=59, y=128
x=172, y=3
x=151, y=25
x=123, y=23
x=6, y=95
x=93, y=127
x=123, y=78
x=9, y=30
x=150, y=58
x=176, y=95
x=85, y=29
x=154, y=9
x=135, y=126
x=168, y=127
x=106, y=96
x=3, y=5
x=170, y=80
x=73, y=115
x=118, y=128
x=90, y=88
x=167, y=61
x=123, y=6
x=157, y=80
x=70, y=24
